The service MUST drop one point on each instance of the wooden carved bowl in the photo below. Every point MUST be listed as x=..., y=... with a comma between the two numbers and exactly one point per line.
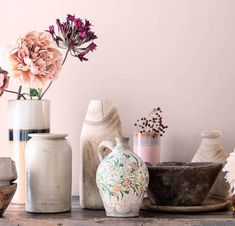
x=6, y=194
x=180, y=183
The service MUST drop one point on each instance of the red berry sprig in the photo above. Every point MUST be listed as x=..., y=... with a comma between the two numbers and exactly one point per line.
x=152, y=123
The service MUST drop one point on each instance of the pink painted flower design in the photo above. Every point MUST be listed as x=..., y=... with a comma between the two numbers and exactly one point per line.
x=34, y=61
x=117, y=188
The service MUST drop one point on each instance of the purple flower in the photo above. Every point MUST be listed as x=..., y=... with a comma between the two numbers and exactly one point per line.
x=51, y=29
x=89, y=48
x=75, y=35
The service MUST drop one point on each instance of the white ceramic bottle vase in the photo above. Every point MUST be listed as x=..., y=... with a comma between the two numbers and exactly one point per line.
x=211, y=150
x=48, y=173
x=24, y=117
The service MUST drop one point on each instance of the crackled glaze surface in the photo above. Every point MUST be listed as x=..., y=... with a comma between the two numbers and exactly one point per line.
x=122, y=179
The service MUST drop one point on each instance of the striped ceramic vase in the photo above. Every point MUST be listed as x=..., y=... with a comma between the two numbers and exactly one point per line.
x=25, y=117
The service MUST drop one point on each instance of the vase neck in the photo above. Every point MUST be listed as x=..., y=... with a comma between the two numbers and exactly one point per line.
x=122, y=143
x=211, y=142
x=211, y=134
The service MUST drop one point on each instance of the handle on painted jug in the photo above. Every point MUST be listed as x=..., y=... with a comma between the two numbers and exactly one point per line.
x=102, y=148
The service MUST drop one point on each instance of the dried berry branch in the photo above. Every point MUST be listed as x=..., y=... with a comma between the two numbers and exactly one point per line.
x=152, y=123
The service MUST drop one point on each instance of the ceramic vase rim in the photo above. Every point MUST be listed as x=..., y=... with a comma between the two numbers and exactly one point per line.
x=145, y=134
x=109, y=100
x=211, y=133
x=29, y=100
x=49, y=136
x=178, y=166
x=122, y=139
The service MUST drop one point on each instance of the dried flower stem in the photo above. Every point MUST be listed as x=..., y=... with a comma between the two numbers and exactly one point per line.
x=66, y=55
x=21, y=95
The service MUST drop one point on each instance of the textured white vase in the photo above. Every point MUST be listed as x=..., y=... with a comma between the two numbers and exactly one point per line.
x=102, y=122
x=24, y=117
x=211, y=150
x=48, y=159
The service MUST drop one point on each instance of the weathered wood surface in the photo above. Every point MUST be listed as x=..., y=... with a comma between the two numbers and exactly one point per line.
x=102, y=122
x=16, y=216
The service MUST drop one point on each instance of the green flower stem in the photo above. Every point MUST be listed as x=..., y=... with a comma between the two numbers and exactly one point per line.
x=21, y=95
x=65, y=57
x=45, y=90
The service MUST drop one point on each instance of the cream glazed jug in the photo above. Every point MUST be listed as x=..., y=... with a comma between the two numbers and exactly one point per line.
x=122, y=178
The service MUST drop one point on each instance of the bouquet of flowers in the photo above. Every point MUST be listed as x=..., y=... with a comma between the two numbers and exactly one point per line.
x=35, y=61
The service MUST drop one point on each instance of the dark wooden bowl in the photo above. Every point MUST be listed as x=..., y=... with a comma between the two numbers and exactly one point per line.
x=6, y=194
x=180, y=183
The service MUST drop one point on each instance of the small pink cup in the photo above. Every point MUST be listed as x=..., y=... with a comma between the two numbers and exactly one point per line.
x=147, y=146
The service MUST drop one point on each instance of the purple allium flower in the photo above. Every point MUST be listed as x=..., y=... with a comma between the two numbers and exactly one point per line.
x=73, y=35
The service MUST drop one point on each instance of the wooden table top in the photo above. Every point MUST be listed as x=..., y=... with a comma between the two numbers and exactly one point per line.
x=16, y=215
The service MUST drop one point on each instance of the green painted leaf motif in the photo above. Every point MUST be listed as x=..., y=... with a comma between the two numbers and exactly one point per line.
x=105, y=188
x=137, y=161
x=109, y=157
x=34, y=92
x=126, y=155
x=121, y=165
x=116, y=162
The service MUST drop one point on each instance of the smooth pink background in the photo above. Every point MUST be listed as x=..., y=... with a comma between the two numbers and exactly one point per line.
x=179, y=55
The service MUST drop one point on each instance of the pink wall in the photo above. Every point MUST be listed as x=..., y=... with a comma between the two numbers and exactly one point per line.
x=176, y=54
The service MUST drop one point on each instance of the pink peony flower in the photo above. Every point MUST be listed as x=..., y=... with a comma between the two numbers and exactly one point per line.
x=34, y=61
x=4, y=81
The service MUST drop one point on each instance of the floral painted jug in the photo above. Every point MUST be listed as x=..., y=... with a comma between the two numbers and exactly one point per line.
x=122, y=178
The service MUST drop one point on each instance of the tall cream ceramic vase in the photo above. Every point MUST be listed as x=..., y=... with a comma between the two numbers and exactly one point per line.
x=48, y=159
x=102, y=122
x=24, y=117
x=211, y=150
